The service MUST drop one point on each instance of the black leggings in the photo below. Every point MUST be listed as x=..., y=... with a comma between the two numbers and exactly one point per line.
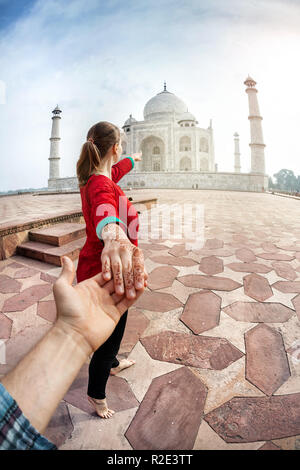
x=104, y=358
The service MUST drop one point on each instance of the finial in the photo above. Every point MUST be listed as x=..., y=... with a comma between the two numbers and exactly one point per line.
x=56, y=110
x=249, y=82
x=165, y=86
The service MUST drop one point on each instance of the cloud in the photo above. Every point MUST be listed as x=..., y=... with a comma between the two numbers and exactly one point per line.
x=102, y=60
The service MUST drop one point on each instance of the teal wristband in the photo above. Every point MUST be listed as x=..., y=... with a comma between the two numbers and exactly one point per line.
x=107, y=220
x=132, y=161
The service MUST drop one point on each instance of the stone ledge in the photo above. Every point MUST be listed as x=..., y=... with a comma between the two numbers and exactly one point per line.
x=13, y=236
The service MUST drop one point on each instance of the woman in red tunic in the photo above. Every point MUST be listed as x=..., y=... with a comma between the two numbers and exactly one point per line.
x=111, y=245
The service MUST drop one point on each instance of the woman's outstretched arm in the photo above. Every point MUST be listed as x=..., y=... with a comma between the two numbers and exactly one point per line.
x=123, y=167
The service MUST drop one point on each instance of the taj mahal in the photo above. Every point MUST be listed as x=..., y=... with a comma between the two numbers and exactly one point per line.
x=176, y=153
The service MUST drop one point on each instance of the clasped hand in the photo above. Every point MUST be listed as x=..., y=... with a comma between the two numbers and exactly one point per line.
x=125, y=263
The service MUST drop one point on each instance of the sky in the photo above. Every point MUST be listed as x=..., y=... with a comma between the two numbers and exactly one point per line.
x=103, y=60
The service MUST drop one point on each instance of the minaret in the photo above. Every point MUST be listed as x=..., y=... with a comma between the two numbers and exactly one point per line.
x=237, y=161
x=54, y=145
x=212, y=165
x=257, y=142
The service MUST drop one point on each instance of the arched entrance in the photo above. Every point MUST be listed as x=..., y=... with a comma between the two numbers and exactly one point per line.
x=185, y=164
x=153, y=149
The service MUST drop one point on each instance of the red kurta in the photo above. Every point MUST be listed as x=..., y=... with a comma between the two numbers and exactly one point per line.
x=101, y=204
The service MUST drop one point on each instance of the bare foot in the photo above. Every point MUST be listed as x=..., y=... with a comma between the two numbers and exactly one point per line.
x=124, y=363
x=101, y=407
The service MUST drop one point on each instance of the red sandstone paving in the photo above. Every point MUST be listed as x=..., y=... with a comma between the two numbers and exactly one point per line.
x=209, y=282
x=268, y=246
x=173, y=260
x=289, y=247
x=294, y=351
x=191, y=350
x=9, y=285
x=296, y=303
x=224, y=252
x=256, y=312
x=211, y=265
x=240, y=238
x=157, y=301
x=47, y=310
x=135, y=326
x=266, y=360
x=277, y=256
x=16, y=348
x=25, y=272
x=5, y=327
x=119, y=394
x=60, y=426
x=212, y=243
x=34, y=263
x=251, y=419
x=287, y=286
x=269, y=446
x=13, y=265
x=178, y=250
x=284, y=270
x=257, y=287
x=20, y=344
x=249, y=267
x=26, y=298
x=153, y=246
x=48, y=278
x=160, y=423
x=162, y=276
x=201, y=311
x=245, y=254
x=240, y=246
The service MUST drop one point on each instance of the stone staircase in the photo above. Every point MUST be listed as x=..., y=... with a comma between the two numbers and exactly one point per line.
x=50, y=244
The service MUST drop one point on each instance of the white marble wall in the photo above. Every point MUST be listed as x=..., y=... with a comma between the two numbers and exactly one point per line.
x=183, y=180
x=189, y=180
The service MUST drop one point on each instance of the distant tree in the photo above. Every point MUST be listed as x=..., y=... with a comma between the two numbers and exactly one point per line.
x=271, y=185
x=286, y=180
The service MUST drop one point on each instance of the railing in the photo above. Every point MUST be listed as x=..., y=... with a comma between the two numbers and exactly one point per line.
x=294, y=194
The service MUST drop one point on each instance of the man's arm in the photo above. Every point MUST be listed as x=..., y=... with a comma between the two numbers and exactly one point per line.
x=87, y=315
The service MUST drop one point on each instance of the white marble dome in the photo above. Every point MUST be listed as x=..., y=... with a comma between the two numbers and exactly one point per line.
x=187, y=116
x=129, y=121
x=163, y=106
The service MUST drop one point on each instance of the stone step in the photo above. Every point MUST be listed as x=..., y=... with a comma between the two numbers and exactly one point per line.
x=49, y=253
x=58, y=234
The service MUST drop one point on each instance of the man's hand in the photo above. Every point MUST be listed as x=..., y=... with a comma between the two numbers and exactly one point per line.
x=90, y=308
x=137, y=157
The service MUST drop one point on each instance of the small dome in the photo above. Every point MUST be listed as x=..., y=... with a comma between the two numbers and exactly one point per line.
x=187, y=116
x=56, y=110
x=163, y=106
x=250, y=82
x=129, y=121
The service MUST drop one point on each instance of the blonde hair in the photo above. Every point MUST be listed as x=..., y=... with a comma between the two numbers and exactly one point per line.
x=100, y=138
